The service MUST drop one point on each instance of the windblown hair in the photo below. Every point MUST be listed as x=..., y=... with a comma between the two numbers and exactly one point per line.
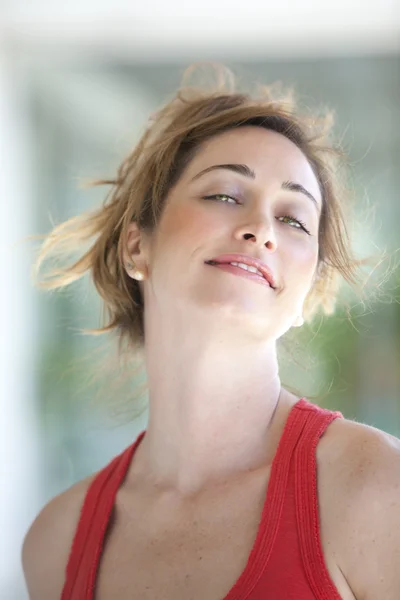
x=138, y=192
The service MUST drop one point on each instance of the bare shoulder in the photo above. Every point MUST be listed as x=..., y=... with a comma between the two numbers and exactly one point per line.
x=48, y=542
x=359, y=487
x=360, y=455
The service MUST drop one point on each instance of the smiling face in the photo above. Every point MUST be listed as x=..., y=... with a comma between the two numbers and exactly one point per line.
x=249, y=191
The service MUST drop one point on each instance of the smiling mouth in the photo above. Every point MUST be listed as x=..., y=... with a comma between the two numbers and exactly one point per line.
x=238, y=268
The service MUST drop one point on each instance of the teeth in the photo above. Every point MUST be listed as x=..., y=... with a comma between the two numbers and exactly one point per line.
x=247, y=268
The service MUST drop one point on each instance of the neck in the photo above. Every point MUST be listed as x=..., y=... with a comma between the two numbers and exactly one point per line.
x=216, y=407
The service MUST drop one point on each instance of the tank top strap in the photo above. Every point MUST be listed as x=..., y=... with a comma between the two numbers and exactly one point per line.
x=271, y=516
x=95, y=515
x=306, y=499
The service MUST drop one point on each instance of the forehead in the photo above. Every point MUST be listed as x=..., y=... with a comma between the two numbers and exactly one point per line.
x=272, y=156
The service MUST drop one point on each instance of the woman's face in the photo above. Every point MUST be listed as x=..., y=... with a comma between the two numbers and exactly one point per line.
x=268, y=208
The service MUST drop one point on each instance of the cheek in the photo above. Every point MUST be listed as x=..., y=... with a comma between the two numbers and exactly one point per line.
x=307, y=259
x=299, y=250
x=298, y=264
x=182, y=232
x=187, y=224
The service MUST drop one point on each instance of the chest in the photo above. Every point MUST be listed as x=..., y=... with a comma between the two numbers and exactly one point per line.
x=171, y=550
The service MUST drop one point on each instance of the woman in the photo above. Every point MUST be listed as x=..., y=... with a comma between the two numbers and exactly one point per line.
x=224, y=230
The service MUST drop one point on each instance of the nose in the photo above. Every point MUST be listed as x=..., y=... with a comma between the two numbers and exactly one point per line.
x=259, y=231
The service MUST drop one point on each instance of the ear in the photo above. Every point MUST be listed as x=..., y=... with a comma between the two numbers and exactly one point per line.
x=134, y=254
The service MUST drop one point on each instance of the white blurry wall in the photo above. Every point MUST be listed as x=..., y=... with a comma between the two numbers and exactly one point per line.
x=178, y=29
x=42, y=37
x=19, y=470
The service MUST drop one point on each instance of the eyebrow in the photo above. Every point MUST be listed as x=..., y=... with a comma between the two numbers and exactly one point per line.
x=247, y=172
x=297, y=187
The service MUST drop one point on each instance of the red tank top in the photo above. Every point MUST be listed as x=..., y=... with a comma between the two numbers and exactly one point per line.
x=286, y=560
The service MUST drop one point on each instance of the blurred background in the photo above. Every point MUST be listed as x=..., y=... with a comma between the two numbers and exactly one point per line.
x=77, y=82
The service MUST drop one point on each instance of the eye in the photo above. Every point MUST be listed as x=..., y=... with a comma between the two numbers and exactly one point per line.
x=295, y=223
x=222, y=198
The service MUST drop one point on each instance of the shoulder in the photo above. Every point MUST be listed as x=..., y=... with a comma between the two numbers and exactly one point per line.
x=362, y=456
x=47, y=544
x=360, y=470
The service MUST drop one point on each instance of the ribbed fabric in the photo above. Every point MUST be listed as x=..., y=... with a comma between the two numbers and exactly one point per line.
x=286, y=561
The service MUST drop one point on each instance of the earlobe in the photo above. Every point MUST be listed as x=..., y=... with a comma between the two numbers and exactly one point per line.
x=134, y=272
x=299, y=321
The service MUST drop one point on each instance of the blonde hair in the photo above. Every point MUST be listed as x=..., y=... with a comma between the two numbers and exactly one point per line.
x=172, y=137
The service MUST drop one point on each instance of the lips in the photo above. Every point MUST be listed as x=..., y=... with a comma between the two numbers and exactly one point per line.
x=247, y=260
